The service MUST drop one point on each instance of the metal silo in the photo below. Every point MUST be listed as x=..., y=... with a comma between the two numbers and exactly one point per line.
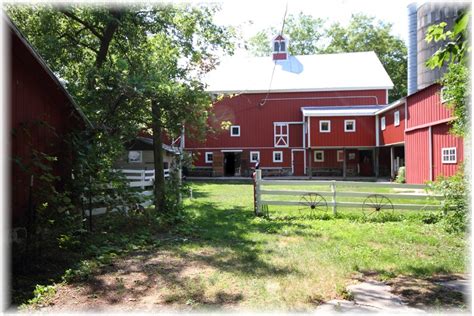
x=420, y=17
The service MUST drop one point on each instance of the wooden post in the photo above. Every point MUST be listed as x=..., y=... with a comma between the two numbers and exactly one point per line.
x=258, y=199
x=310, y=164
x=344, y=165
x=333, y=190
x=376, y=161
x=143, y=179
x=392, y=171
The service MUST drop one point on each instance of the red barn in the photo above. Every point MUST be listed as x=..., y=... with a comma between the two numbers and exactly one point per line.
x=295, y=115
x=323, y=116
x=431, y=151
x=42, y=113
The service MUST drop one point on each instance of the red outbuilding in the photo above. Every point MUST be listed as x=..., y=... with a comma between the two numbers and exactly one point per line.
x=431, y=151
x=41, y=113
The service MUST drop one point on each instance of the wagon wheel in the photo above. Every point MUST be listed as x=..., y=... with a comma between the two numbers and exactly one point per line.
x=376, y=203
x=315, y=202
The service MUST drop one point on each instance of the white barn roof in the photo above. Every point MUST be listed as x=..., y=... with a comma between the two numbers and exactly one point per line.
x=325, y=72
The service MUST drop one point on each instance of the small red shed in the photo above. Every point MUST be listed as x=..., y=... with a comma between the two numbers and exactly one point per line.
x=41, y=114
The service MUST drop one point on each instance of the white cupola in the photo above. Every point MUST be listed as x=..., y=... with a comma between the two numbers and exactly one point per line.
x=279, y=48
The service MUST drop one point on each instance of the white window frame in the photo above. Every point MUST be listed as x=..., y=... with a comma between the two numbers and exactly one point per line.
x=278, y=135
x=446, y=155
x=232, y=128
x=382, y=123
x=321, y=125
x=337, y=155
x=442, y=97
x=136, y=161
x=318, y=152
x=345, y=126
x=281, y=156
x=396, y=118
x=258, y=156
x=206, y=158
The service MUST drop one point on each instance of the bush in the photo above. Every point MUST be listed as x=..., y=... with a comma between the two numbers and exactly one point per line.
x=455, y=206
x=401, y=175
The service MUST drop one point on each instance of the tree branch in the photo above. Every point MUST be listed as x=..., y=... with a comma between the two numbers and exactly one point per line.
x=74, y=17
x=109, y=32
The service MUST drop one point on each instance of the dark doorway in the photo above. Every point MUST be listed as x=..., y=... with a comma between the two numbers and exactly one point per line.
x=366, y=163
x=229, y=164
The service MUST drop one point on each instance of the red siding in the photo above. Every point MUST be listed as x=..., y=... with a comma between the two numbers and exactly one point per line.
x=256, y=121
x=424, y=107
x=442, y=139
x=34, y=97
x=417, y=156
x=363, y=136
x=393, y=134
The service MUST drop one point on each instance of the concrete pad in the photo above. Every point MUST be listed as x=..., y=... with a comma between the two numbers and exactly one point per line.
x=458, y=285
x=369, y=297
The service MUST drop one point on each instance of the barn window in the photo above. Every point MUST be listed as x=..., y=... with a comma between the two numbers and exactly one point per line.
x=277, y=156
x=209, y=157
x=349, y=125
x=382, y=123
x=324, y=126
x=444, y=97
x=448, y=155
x=235, y=130
x=135, y=156
x=340, y=155
x=318, y=155
x=396, y=118
x=254, y=156
x=280, y=132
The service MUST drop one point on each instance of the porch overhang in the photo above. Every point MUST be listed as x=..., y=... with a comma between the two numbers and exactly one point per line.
x=325, y=111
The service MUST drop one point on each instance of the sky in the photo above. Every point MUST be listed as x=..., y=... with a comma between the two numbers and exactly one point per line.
x=270, y=13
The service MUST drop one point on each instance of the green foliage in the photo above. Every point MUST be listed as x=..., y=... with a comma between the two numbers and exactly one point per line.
x=456, y=47
x=303, y=30
x=41, y=294
x=401, y=176
x=456, y=81
x=310, y=36
x=457, y=93
x=455, y=191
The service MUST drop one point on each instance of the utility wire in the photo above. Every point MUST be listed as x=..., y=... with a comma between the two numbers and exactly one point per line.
x=262, y=103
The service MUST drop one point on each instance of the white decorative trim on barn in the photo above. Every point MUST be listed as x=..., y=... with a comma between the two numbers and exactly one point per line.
x=323, y=111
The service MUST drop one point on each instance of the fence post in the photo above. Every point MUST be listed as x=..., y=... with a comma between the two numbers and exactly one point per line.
x=333, y=189
x=257, y=179
x=143, y=179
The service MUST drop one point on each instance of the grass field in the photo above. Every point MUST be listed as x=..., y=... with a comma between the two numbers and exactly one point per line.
x=223, y=256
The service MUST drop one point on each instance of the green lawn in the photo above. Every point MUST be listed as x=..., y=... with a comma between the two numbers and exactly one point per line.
x=291, y=260
x=223, y=256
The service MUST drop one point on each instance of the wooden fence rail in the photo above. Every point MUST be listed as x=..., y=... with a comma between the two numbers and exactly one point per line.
x=329, y=196
x=141, y=178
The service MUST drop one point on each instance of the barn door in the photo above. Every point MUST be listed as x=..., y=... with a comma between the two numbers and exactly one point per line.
x=297, y=161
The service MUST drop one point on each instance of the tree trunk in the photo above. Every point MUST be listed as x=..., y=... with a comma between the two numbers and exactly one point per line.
x=159, y=188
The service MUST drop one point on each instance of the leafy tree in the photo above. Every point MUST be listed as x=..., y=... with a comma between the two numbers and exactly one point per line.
x=454, y=53
x=129, y=68
x=364, y=33
x=304, y=32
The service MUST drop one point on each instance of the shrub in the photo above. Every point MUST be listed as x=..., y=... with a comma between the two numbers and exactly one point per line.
x=455, y=207
x=401, y=175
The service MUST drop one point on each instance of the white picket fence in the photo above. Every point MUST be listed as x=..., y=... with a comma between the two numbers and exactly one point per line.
x=263, y=195
x=143, y=179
